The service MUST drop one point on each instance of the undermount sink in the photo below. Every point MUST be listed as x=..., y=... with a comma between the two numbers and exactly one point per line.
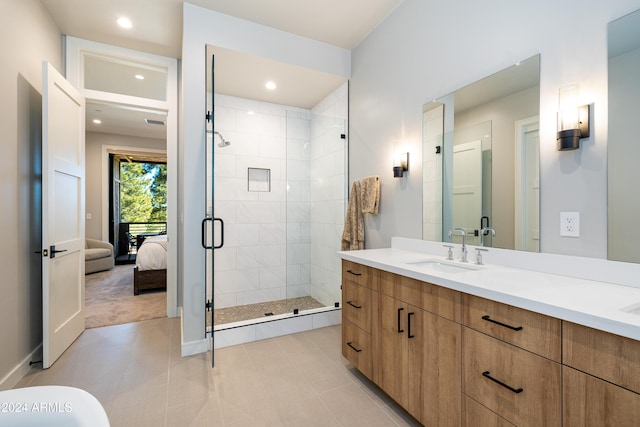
x=442, y=266
x=632, y=309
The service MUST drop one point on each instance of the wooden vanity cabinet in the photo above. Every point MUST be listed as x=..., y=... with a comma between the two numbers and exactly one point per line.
x=601, y=378
x=359, y=304
x=417, y=360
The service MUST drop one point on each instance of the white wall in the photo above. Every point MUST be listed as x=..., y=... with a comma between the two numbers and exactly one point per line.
x=200, y=28
x=27, y=37
x=95, y=199
x=425, y=49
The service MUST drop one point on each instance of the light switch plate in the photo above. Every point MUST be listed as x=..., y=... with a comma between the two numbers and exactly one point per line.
x=570, y=224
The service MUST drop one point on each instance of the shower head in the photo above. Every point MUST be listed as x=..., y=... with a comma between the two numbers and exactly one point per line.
x=223, y=142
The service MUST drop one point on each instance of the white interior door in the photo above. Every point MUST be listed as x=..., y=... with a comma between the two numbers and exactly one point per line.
x=63, y=189
x=467, y=188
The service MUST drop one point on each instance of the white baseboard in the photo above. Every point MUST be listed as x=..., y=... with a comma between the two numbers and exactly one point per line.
x=192, y=347
x=16, y=374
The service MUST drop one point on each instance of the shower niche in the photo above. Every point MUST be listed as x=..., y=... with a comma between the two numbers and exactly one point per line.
x=259, y=179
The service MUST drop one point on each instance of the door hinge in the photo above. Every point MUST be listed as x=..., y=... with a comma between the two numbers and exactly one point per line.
x=208, y=305
x=209, y=116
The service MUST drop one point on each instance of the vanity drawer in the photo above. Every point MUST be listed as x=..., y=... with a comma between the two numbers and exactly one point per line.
x=356, y=306
x=611, y=357
x=427, y=296
x=360, y=274
x=476, y=415
x=356, y=347
x=532, y=331
x=520, y=386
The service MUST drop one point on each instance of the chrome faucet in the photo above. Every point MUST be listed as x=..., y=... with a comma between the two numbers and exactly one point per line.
x=484, y=232
x=464, y=241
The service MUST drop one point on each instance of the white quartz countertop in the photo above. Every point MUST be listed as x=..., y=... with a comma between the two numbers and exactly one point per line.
x=604, y=306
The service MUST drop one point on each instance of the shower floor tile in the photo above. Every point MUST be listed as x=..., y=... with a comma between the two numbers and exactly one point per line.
x=260, y=310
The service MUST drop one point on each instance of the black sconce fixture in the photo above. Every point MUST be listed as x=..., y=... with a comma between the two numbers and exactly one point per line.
x=401, y=165
x=573, y=120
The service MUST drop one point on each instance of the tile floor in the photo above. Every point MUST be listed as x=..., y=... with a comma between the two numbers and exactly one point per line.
x=137, y=373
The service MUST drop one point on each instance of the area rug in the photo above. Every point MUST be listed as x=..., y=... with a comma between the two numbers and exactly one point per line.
x=109, y=299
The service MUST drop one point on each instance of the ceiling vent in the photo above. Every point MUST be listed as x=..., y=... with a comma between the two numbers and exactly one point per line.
x=155, y=122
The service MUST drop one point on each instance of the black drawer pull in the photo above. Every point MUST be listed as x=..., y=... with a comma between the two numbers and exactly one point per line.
x=515, y=390
x=400, y=330
x=355, y=274
x=350, y=344
x=409, y=325
x=489, y=319
x=353, y=305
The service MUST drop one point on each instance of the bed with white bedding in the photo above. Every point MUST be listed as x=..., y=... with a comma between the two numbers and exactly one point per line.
x=151, y=265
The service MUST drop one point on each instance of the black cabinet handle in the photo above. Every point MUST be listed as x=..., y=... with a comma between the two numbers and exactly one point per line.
x=513, y=328
x=350, y=344
x=400, y=330
x=353, y=305
x=410, y=335
x=486, y=374
x=355, y=274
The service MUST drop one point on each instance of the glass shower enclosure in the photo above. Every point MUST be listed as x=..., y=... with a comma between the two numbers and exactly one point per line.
x=276, y=198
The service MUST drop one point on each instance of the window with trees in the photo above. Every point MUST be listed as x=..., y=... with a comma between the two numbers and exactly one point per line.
x=143, y=192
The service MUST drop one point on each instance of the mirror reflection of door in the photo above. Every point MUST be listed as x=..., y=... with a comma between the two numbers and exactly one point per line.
x=467, y=188
x=527, y=185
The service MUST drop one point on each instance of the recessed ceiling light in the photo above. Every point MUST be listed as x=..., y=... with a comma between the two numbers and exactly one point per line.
x=124, y=22
x=270, y=85
x=250, y=112
x=139, y=76
x=97, y=121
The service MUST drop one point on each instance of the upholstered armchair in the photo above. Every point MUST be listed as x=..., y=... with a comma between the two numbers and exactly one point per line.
x=98, y=256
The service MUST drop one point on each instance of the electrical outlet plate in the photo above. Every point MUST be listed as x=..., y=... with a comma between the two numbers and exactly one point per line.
x=570, y=224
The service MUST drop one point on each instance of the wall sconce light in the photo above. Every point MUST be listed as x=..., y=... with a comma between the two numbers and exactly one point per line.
x=573, y=119
x=400, y=165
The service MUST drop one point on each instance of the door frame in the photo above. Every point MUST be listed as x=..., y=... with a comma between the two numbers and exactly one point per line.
x=76, y=49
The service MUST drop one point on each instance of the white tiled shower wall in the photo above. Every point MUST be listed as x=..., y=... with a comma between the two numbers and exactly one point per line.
x=282, y=243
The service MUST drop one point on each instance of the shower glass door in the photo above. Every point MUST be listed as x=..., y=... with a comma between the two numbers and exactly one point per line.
x=279, y=174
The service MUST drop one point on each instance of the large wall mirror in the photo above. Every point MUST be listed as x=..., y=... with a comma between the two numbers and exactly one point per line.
x=623, y=146
x=481, y=160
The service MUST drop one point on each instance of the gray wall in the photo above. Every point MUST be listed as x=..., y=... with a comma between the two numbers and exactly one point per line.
x=95, y=199
x=425, y=49
x=27, y=37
